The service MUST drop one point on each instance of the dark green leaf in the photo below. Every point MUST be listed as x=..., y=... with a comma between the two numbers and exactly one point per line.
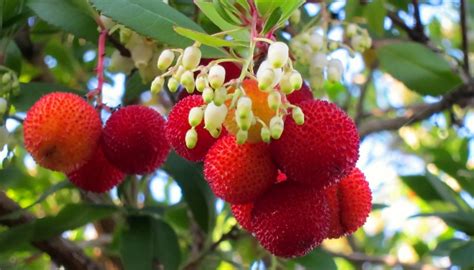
x=458, y=220
x=12, y=56
x=463, y=255
x=211, y=12
x=154, y=19
x=375, y=13
x=68, y=15
x=422, y=187
x=195, y=190
x=206, y=39
x=420, y=69
x=265, y=7
x=317, y=259
x=148, y=242
x=70, y=217
x=272, y=20
x=444, y=247
x=31, y=92
x=134, y=87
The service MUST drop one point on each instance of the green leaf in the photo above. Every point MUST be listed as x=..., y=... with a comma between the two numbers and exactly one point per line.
x=134, y=87
x=149, y=241
x=375, y=13
x=153, y=19
x=195, y=190
x=70, y=217
x=209, y=9
x=458, y=220
x=265, y=7
x=13, y=56
x=71, y=16
x=422, y=187
x=31, y=92
x=288, y=8
x=206, y=39
x=317, y=259
x=463, y=255
x=420, y=69
x=272, y=20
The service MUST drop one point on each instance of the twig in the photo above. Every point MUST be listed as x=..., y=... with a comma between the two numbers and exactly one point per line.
x=465, y=41
x=62, y=252
x=415, y=34
x=233, y=233
x=389, y=261
x=363, y=91
x=416, y=13
x=462, y=96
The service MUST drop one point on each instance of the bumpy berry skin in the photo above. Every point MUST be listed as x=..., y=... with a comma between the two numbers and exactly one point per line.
x=243, y=215
x=61, y=131
x=350, y=202
x=259, y=108
x=322, y=150
x=178, y=125
x=135, y=141
x=290, y=219
x=97, y=175
x=239, y=173
x=301, y=95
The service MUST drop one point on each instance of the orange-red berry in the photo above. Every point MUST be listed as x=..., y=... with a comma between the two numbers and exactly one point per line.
x=61, y=131
x=243, y=215
x=239, y=173
x=134, y=139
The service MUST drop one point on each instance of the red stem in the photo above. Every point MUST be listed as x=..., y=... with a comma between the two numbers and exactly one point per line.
x=100, y=66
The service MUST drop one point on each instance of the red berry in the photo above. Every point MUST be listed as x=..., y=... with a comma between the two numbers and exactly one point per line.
x=61, y=131
x=301, y=95
x=178, y=125
x=290, y=219
x=135, y=141
x=97, y=175
x=242, y=213
x=350, y=202
x=239, y=173
x=322, y=150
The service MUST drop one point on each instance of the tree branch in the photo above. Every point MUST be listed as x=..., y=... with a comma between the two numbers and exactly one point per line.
x=62, y=252
x=465, y=41
x=462, y=96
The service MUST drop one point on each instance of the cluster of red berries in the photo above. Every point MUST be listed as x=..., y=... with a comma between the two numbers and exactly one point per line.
x=64, y=133
x=294, y=192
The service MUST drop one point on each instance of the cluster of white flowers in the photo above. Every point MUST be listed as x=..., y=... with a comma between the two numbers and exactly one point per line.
x=275, y=76
x=313, y=49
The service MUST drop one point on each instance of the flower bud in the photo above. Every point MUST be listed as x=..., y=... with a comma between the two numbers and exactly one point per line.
x=297, y=115
x=277, y=54
x=265, y=134
x=141, y=54
x=187, y=80
x=173, y=85
x=207, y=95
x=285, y=84
x=216, y=76
x=215, y=133
x=317, y=81
x=296, y=80
x=119, y=63
x=244, y=123
x=179, y=72
x=316, y=41
x=3, y=136
x=195, y=116
x=333, y=45
x=191, y=138
x=276, y=127
x=191, y=57
x=3, y=106
x=241, y=136
x=274, y=100
x=265, y=79
x=125, y=35
x=201, y=83
x=351, y=30
x=220, y=95
x=244, y=107
x=6, y=78
x=157, y=85
x=277, y=73
x=295, y=16
x=165, y=60
x=214, y=116
x=305, y=37
x=335, y=70
x=319, y=61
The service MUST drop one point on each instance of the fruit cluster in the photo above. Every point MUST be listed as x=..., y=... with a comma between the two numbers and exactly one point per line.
x=64, y=133
x=9, y=86
x=293, y=192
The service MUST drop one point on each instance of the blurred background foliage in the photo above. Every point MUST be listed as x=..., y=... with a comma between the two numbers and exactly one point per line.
x=420, y=170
